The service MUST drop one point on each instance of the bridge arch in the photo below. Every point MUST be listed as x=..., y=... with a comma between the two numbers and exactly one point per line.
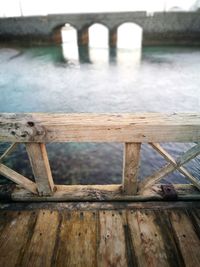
x=129, y=35
x=57, y=32
x=98, y=35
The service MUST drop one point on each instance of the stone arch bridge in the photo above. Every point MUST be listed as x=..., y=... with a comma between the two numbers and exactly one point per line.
x=171, y=28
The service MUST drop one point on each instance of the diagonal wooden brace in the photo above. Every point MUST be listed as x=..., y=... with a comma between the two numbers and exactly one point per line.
x=18, y=179
x=173, y=165
x=8, y=151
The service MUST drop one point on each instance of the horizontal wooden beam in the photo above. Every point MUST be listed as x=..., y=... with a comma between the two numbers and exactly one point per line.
x=101, y=193
x=96, y=205
x=141, y=127
x=76, y=192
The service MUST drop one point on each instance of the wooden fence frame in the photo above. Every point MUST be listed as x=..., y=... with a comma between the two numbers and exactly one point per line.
x=35, y=130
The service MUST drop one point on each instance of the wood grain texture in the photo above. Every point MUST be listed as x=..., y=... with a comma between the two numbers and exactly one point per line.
x=147, y=239
x=100, y=193
x=141, y=127
x=177, y=166
x=114, y=234
x=41, y=169
x=170, y=167
x=77, y=243
x=13, y=238
x=83, y=193
x=159, y=206
x=18, y=178
x=112, y=249
x=39, y=250
x=187, y=240
x=131, y=167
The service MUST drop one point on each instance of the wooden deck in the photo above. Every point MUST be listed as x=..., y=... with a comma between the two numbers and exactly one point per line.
x=100, y=234
x=117, y=227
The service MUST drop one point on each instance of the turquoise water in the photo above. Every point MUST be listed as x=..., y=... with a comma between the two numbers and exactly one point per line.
x=41, y=79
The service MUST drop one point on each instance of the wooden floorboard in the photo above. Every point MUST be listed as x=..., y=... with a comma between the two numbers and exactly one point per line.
x=118, y=235
x=112, y=246
x=77, y=240
x=39, y=250
x=147, y=236
x=187, y=239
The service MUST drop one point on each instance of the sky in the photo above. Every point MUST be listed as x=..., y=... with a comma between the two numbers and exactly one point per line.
x=43, y=7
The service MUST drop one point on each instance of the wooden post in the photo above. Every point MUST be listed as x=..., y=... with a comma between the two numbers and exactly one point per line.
x=130, y=169
x=41, y=168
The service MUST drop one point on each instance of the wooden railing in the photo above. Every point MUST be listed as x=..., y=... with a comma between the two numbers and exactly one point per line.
x=35, y=130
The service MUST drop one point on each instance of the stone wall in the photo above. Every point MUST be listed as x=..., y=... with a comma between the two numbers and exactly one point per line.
x=171, y=28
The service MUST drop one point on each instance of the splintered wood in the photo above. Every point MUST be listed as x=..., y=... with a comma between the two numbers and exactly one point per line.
x=141, y=235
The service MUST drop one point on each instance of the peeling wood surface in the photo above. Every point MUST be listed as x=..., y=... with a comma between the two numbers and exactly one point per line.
x=139, y=127
x=144, y=234
x=98, y=193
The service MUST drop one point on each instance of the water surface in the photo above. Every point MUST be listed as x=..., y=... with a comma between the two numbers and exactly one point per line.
x=44, y=79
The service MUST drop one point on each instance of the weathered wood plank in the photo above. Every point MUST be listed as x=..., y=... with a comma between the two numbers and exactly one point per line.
x=174, y=256
x=189, y=155
x=75, y=192
x=131, y=166
x=92, y=205
x=83, y=192
x=77, y=242
x=158, y=175
x=177, y=166
x=101, y=193
x=147, y=240
x=147, y=236
x=8, y=151
x=41, y=169
x=112, y=249
x=18, y=178
x=163, y=152
x=141, y=127
x=195, y=219
x=186, y=238
x=155, y=177
x=39, y=251
x=14, y=237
